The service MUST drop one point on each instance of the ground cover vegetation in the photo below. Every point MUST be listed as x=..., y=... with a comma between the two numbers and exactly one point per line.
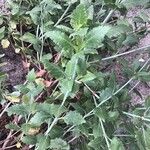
x=69, y=99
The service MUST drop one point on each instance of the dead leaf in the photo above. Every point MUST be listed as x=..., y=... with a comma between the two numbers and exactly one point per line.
x=18, y=145
x=13, y=99
x=25, y=64
x=17, y=50
x=40, y=73
x=33, y=131
x=47, y=83
x=39, y=81
x=5, y=43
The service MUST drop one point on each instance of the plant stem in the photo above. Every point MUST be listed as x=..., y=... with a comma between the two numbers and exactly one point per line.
x=91, y=112
x=104, y=133
x=136, y=116
x=94, y=94
x=56, y=118
x=5, y=109
x=59, y=20
x=108, y=17
x=125, y=53
x=51, y=126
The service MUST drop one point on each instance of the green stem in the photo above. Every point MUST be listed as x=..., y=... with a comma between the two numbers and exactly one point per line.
x=136, y=116
x=105, y=135
x=65, y=12
x=56, y=118
x=126, y=53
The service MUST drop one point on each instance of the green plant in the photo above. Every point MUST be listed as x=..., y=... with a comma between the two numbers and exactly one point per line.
x=81, y=107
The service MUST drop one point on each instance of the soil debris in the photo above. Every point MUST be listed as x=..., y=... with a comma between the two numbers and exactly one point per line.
x=13, y=67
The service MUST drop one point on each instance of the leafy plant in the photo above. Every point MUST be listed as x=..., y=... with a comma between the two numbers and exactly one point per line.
x=71, y=103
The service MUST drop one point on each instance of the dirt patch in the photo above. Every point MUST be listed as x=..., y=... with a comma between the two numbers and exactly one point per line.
x=141, y=90
x=3, y=8
x=13, y=68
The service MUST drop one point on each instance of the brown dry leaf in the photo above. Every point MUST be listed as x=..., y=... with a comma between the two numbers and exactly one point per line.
x=25, y=64
x=5, y=43
x=40, y=73
x=33, y=131
x=47, y=83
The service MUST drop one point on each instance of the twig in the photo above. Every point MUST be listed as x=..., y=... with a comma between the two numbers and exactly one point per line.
x=72, y=139
x=8, y=147
x=1, y=114
x=6, y=141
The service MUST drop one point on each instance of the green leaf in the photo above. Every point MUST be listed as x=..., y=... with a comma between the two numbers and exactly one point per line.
x=96, y=144
x=14, y=7
x=101, y=113
x=119, y=29
x=3, y=76
x=39, y=118
x=112, y=82
x=18, y=109
x=96, y=36
x=59, y=144
x=61, y=40
x=113, y=115
x=143, y=76
x=56, y=131
x=12, y=126
x=146, y=135
x=30, y=38
x=140, y=140
x=31, y=76
x=43, y=142
x=74, y=118
x=116, y=144
x=2, y=29
x=66, y=86
x=147, y=102
x=71, y=68
x=105, y=94
x=54, y=70
x=130, y=40
x=82, y=66
x=29, y=139
x=90, y=12
x=64, y=28
x=46, y=57
x=97, y=130
x=35, y=13
x=79, y=17
x=51, y=109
